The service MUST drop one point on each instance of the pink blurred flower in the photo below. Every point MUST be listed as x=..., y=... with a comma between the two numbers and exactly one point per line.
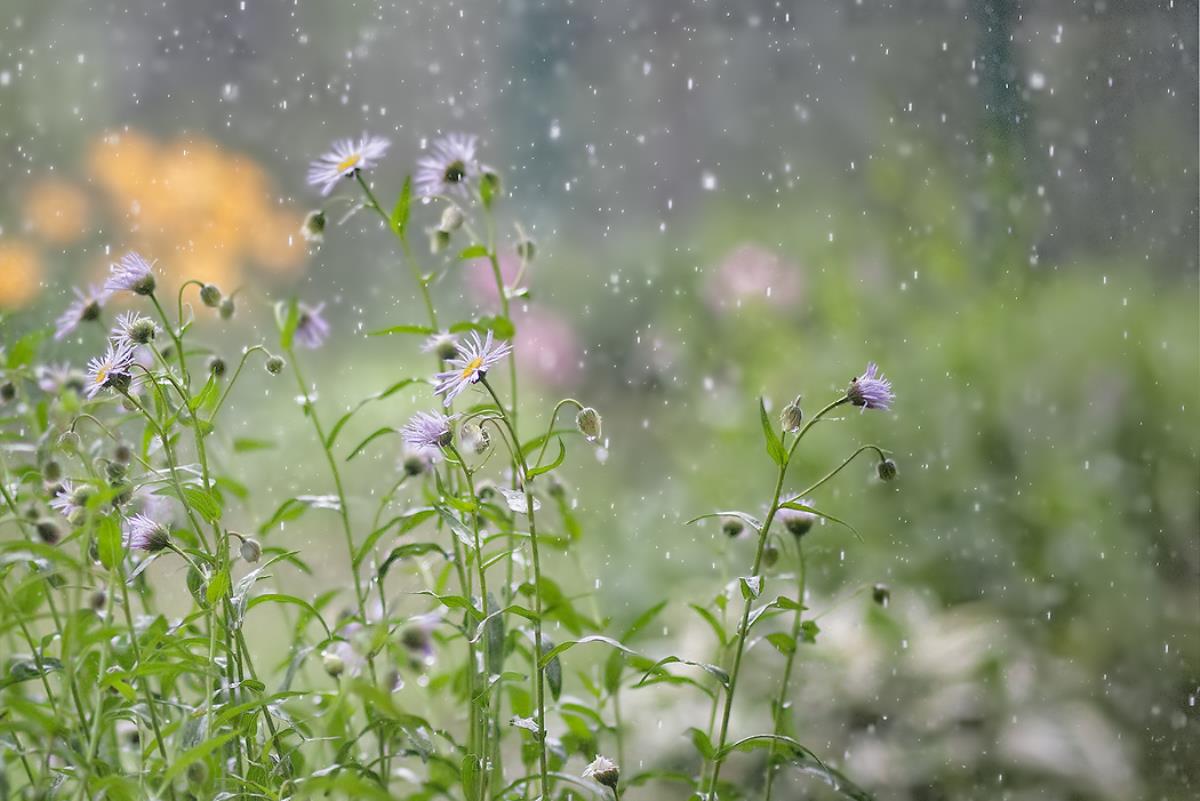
x=481, y=283
x=751, y=273
x=547, y=348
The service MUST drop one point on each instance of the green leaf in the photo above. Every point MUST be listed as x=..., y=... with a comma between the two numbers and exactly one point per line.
x=203, y=502
x=749, y=520
x=751, y=587
x=281, y=598
x=802, y=758
x=345, y=418
x=569, y=644
x=473, y=252
x=809, y=631
x=218, y=586
x=247, y=444
x=108, y=542
x=206, y=394
x=713, y=623
x=403, y=523
x=712, y=670
x=422, y=330
x=782, y=642
x=411, y=550
x=26, y=668
x=399, y=216
x=562, y=454
x=24, y=349
x=501, y=326
x=289, y=510
x=775, y=447
x=287, y=317
x=702, y=743
x=376, y=434
x=181, y=761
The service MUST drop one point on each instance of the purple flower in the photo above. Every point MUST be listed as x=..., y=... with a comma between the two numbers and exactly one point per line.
x=311, y=328
x=110, y=370
x=344, y=159
x=427, y=431
x=131, y=274
x=85, y=307
x=448, y=167
x=70, y=501
x=871, y=390
x=141, y=533
x=134, y=329
x=474, y=360
x=54, y=378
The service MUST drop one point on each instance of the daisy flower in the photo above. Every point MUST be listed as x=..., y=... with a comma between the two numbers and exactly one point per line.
x=797, y=521
x=85, y=307
x=344, y=159
x=70, y=500
x=474, y=359
x=427, y=431
x=142, y=533
x=54, y=378
x=871, y=390
x=443, y=344
x=111, y=369
x=603, y=770
x=448, y=167
x=131, y=274
x=134, y=329
x=311, y=328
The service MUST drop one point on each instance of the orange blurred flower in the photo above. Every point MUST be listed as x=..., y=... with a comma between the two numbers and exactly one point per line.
x=57, y=211
x=20, y=273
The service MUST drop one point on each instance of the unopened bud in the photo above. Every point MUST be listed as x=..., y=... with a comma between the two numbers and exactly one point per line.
x=210, y=295
x=123, y=453
x=881, y=594
x=770, y=555
x=313, y=227
x=197, y=773
x=47, y=531
x=526, y=249
x=216, y=366
x=797, y=521
x=226, y=309
x=69, y=441
x=475, y=438
x=732, y=527
x=274, y=365
x=452, y=219
x=8, y=391
x=439, y=240
x=51, y=471
x=251, y=550
x=588, y=421
x=791, y=417
x=334, y=665
x=887, y=470
x=98, y=601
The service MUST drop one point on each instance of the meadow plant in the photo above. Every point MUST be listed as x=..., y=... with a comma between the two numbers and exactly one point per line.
x=123, y=471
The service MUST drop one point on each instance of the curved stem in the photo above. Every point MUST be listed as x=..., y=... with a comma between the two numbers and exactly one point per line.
x=742, y=632
x=838, y=469
x=797, y=627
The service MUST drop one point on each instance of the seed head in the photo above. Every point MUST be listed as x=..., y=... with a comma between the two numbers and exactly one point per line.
x=770, y=556
x=475, y=438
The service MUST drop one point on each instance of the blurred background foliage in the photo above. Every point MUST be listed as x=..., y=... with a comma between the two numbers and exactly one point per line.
x=996, y=201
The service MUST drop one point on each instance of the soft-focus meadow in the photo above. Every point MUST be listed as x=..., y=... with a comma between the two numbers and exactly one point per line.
x=995, y=202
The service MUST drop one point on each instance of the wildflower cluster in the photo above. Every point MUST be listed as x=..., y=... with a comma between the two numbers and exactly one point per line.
x=126, y=466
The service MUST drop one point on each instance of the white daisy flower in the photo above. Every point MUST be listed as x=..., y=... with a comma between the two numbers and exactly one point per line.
x=448, y=167
x=111, y=369
x=344, y=159
x=475, y=358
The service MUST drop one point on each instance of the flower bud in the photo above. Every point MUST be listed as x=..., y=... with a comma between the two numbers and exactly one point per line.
x=791, y=417
x=732, y=526
x=98, y=600
x=452, y=219
x=414, y=463
x=526, y=249
x=334, y=665
x=489, y=183
x=770, y=556
x=887, y=470
x=51, y=471
x=197, y=773
x=144, y=285
x=69, y=441
x=313, y=227
x=588, y=422
x=210, y=295
x=123, y=453
x=115, y=471
x=797, y=521
x=216, y=366
x=881, y=594
x=47, y=531
x=439, y=240
x=226, y=309
x=251, y=550
x=475, y=438
x=605, y=771
x=8, y=391
x=274, y=365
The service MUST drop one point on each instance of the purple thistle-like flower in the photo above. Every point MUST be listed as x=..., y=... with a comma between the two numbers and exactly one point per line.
x=131, y=274
x=111, y=369
x=86, y=306
x=871, y=390
x=448, y=167
x=344, y=159
x=142, y=533
x=427, y=431
x=474, y=360
x=311, y=328
x=70, y=501
x=134, y=329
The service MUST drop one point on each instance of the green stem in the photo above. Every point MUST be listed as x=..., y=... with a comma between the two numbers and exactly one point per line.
x=137, y=658
x=797, y=627
x=742, y=631
x=422, y=282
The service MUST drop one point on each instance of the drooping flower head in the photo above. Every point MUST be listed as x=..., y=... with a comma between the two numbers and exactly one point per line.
x=131, y=274
x=475, y=358
x=797, y=521
x=112, y=369
x=86, y=307
x=311, y=328
x=344, y=159
x=142, y=533
x=54, y=378
x=134, y=329
x=427, y=431
x=871, y=390
x=443, y=344
x=448, y=167
x=603, y=770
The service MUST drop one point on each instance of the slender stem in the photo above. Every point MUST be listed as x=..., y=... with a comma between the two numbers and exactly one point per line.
x=797, y=627
x=539, y=680
x=175, y=338
x=142, y=680
x=838, y=469
x=743, y=626
x=405, y=249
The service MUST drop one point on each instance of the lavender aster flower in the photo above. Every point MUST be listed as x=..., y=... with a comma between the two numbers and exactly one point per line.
x=448, y=167
x=84, y=308
x=344, y=159
x=141, y=533
x=311, y=329
x=134, y=329
x=475, y=358
x=110, y=370
x=131, y=274
x=871, y=390
x=70, y=501
x=427, y=431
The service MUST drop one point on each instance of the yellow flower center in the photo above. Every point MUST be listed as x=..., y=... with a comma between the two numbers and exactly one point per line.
x=350, y=161
x=101, y=376
x=475, y=364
